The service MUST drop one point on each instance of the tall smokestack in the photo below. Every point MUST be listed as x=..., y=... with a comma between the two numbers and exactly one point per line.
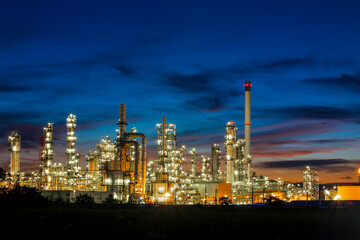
x=247, y=124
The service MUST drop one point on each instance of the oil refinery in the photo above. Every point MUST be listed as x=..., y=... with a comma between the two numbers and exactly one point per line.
x=121, y=168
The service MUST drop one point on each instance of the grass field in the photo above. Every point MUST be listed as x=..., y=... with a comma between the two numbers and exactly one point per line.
x=184, y=222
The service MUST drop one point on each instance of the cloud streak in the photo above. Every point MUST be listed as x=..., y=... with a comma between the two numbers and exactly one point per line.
x=331, y=165
x=348, y=82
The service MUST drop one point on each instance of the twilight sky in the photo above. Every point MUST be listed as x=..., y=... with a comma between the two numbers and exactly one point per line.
x=187, y=60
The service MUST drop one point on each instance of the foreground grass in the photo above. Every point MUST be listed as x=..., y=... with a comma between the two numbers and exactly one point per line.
x=180, y=222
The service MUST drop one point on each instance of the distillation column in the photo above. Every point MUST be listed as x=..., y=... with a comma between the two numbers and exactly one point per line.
x=166, y=147
x=15, y=143
x=128, y=139
x=205, y=168
x=247, y=125
x=47, y=156
x=72, y=161
x=230, y=141
x=215, y=160
x=193, y=162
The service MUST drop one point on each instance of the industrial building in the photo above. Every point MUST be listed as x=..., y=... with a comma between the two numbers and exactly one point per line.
x=120, y=168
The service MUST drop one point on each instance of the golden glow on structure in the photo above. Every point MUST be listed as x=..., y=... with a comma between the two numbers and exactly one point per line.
x=15, y=143
x=121, y=168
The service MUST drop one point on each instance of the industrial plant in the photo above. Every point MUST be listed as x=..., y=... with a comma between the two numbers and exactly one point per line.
x=120, y=168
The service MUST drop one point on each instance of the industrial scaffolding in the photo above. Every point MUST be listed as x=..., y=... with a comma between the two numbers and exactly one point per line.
x=120, y=168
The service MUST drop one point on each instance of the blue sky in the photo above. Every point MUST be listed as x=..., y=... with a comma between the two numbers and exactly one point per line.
x=187, y=60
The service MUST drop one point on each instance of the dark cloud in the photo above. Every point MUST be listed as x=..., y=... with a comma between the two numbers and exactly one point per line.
x=286, y=64
x=12, y=88
x=193, y=83
x=206, y=91
x=273, y=66
x=348, y=114
x=284, y=130
x=345, y=81
x=214, y=103
x=331, y=165
x=265, y=152
x=29, y=75
x=17, y=116
x=272, y=143
x=126, y=70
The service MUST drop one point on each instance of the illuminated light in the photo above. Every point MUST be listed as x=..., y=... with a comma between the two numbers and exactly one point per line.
x=247, y=85
x=247, y=123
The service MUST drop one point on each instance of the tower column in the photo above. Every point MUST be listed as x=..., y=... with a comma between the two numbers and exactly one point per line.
x=247, y=125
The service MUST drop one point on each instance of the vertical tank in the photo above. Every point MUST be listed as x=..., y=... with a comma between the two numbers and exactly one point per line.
x=166, y=146
x=47, y=155
x=215, y=160
x=72, y=163
x=230, y=142
x=205, y=168
x=193, y=162
x=15, y=144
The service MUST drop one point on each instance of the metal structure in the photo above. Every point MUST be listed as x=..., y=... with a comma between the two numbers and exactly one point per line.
x=310, y=184
x=72, y=161
x=230, y=148
x=215, y=161
x=47, y=156
x=121, y=169
x=15, y=144
x=193, y=163
x=247, y=124
x=205, y=168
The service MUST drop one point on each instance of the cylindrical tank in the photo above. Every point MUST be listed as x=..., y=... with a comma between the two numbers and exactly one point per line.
x=230, y=141
x=15, y=144
x=71, y=161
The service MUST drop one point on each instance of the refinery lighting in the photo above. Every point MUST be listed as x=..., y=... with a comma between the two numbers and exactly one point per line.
x=120, y=167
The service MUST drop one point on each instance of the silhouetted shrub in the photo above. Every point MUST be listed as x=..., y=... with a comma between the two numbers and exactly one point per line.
x=2, y=173
x=84, y=200
x=22, y=197
x=273, y=201
x=110, y=201
x=225, y=201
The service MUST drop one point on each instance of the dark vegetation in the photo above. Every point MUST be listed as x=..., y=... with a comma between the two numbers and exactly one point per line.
x=2, y=173
x=59, y=220
x=273, y=201
x=22, y=197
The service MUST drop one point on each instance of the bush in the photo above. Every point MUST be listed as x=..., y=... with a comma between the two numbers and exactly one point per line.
x=273, y=201
x=84, y=199
x=111, y=201
x=225, y=201
x=22, y=197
